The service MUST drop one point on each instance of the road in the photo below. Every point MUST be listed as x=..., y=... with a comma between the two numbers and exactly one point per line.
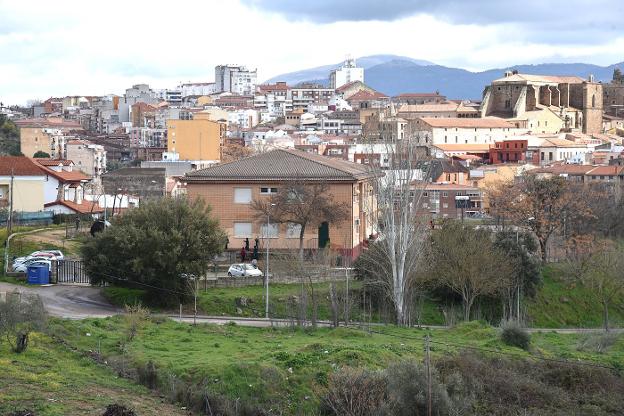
x=73, y=302
x=79, y=302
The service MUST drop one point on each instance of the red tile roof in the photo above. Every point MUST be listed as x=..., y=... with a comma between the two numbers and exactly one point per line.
x=366, y=95
x=19, y=166
x=47, y=122
x=64, y=176
x=419, y=94
x=86, y=207
x=606, y=170
x=488, y=122
x=52, y=162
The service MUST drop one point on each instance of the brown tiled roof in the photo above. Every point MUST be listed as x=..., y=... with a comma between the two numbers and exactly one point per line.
x=363, y=95
x=418, y=94
x=564, y=79
x=47, y=122
x=429, y=108
x=64, y=176
x=606, y=170
x=19, y=166
x=52, y=162
x=86, y=207
x=488, y=122
x=283, y=164
x=569, y=169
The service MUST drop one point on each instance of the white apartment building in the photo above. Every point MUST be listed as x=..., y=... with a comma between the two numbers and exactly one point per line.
x=347, y=73
x=276, y=105
x=243, y=118
x=434, y=131
x=197, y=89
x=235, y=79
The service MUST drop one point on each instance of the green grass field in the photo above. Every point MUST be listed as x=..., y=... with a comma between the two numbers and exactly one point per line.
x=51, y=380
x=561, y=304
x=286, y=368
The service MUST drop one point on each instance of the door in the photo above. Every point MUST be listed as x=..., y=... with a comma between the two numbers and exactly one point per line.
x=323, y=235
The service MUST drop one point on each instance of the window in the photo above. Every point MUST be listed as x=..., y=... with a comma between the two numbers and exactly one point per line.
x=444, y=194
x=444, y=205
x=242, y=195
x=550, y=155
x=293, y=230
x=425, y=205
x=425, y=194
x=242, y=229
x=272, y=231
x=267, y=190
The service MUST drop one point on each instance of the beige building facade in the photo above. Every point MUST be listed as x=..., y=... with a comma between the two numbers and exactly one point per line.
x=231, y=188
x=23, y=182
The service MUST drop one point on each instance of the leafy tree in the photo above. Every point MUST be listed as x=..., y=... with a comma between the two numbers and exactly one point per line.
x=303, y=204
x=526, y=275
x=617, y=76
x=152, y=246
x=41, y=154
x=9, y=137
x=20, y=314
x=466, y=261
x=604, y=275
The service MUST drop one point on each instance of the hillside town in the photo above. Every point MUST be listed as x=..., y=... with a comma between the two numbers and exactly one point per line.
x=86, y=154
x=331, y=241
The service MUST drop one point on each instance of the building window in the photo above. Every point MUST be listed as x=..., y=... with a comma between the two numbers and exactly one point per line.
x=444, y=205
x=444, y=194
x=293, y=230
x=550, y=155
x=242, y=195
x=272, y=231
x=268, y=191
x=242, y=229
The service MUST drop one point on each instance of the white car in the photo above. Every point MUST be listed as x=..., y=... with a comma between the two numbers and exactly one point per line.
x=244, y=270
x=48, y=254
x=23, y=268
x=27, y=260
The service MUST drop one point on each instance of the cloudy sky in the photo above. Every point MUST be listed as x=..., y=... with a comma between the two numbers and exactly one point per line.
x=71, y=47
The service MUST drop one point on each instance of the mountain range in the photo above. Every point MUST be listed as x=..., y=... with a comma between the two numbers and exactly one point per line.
x=393, y=74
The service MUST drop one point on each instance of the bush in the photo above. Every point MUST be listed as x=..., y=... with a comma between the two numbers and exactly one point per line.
x=118, y=410
x=408, y=390
x=148, y=375
x=355, y=392
x=598, y=343
x=515, y=336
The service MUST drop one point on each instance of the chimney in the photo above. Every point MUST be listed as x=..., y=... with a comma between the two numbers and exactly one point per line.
x=591, y=78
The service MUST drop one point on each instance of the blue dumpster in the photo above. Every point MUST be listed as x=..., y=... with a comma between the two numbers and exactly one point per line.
x=38, y=275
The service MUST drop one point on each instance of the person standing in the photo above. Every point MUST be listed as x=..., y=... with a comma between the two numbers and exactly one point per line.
x=243, y=254
x=246, y=243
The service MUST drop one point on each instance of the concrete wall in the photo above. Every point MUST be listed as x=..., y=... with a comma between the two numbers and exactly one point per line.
x=27, y=193
x=592, y=109
x=194, y=139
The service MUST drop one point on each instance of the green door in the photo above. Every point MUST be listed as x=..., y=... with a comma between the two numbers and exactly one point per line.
x=323, y=235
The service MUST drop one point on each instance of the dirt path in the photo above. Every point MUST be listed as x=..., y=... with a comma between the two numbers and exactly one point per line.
x=54, y=237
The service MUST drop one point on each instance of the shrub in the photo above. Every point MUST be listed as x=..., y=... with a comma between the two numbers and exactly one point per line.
x=515, y=336
x=148, y=376
x=408, y=390
x=599, y=343
x=355, y=392
x=118, y=410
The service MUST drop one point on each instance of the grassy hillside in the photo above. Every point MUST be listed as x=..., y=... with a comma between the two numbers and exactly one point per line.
x=51, y=380
x=561, y=304
x=287, y=369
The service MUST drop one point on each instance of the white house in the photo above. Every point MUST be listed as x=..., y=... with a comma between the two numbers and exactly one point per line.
x=434, y=131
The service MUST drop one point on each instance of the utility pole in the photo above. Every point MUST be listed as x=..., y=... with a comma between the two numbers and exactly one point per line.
x=428, y=364
x=10, y=218
x=266, y=269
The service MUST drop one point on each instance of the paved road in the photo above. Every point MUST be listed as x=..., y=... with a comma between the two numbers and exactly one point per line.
x=78, y=302
x=74, y=302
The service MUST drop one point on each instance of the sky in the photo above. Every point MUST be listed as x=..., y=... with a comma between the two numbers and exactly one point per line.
x=71, y=47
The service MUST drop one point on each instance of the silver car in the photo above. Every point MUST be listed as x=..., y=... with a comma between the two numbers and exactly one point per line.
x=244, y=270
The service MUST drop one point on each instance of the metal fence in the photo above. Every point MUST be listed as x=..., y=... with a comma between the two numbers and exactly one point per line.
x=69, y=271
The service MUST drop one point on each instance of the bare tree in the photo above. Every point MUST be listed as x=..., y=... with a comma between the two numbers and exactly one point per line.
x=399, y=191
x=301, y=204
x=543, y=206
x=20, y=314
x=465, y=260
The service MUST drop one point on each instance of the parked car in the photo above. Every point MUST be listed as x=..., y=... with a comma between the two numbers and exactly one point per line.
x=23, y=268
x=35, y=255
x=244, y=270
x=57, y=253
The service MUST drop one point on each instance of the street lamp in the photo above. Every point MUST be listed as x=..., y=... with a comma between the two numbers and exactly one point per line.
x=266, y=269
